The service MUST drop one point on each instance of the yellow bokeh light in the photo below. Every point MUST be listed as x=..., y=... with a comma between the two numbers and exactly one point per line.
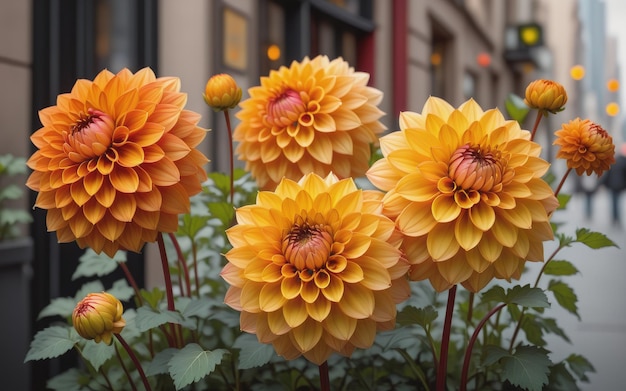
x=612, y=85
x=273, y=52
x=577, y=72
x=612, y=109
x=530, y=35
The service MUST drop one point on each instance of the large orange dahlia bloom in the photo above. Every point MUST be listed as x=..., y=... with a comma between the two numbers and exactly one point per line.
x=117, y=160
x=314, y=116
x=464, y=186
x=315, y=268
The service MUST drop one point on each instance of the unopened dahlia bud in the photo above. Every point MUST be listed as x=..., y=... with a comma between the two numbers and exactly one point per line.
x=546, y=95
x=98, y=316
x=222, y=92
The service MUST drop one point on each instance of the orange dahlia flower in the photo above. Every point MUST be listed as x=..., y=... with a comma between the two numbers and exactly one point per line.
x=315, y=116
x=546, y=95
x=315, y=268
x=464, y=187
x=117, y=160
x=98, y=316
x=585, y=146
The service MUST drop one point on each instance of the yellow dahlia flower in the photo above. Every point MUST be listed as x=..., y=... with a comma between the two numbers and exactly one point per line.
x=98, y=316
x=315, y=268
x=546, y=95
x=585, y=146
x=315, y=116
x=222, y=92
x=117, y=160
x=464, y=187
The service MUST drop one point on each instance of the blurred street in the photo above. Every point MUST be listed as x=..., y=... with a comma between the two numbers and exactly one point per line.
x=600, y=336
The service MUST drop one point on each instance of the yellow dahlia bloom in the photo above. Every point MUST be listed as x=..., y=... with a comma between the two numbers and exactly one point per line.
x=117, y=160
x=585, y=146
x=315, y=116
x=98, y=316
x=464, y=187
x=222, y=92
x=546, y=95
x=315, y=268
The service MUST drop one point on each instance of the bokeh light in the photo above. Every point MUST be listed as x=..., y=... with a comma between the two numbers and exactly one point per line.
x=612, y=109
x=577, y=72
x=273, y=52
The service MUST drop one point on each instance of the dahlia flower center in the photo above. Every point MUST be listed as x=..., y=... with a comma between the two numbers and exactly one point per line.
x=307, y=247
x=90, y=136
x=284, y=109
x=476, y=168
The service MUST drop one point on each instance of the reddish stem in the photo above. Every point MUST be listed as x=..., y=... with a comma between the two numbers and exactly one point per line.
x=168, y=284
x=137, y=363
x=324, y=379
x=537, y=120
x=132, y=282
x=442, y=370
x=232, y=165
x=183, y=264
x=472, y=341
x=558, y=189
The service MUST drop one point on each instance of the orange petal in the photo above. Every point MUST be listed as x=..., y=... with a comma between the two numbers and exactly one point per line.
x=357, y=301
x=340, y=325
x=307, y=335
x=319, y=309
x=295, y=312
x=442, y=243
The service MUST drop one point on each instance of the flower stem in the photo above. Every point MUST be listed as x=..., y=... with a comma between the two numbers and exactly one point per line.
x=324, y=379
x=472, y=341
x=132, y=282
x=168, y=285
x=137, y=363
x=558, y=189
x=536, y=126
x=232, y=165
x=183, y=263
x=130, y=379
x=442, y=370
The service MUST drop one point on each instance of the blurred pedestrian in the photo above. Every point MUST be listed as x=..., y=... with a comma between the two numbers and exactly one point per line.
x=615, y=180
x=588, y=184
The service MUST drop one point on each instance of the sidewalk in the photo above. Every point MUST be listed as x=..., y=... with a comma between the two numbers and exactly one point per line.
x=600, y=335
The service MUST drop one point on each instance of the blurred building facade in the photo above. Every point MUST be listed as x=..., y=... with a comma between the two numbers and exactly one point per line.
x=454, y=49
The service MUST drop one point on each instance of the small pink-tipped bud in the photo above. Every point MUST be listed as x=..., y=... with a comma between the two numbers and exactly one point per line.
x=98, y=316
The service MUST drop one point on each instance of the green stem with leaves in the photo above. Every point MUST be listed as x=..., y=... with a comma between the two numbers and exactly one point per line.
x=442, y=370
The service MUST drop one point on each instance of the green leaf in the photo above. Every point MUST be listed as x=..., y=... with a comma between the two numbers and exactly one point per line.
x=92, y=264
x=516, y=108
x=50, y=342
x=11, y=192
x=564, y=295
x=61, y=306
x=192, y=224
x=97, y=353
x=159, y=364
x=70, y=380
x=148, y=318
x=221, y=182
x=560, y=268
x=593, y=240
x=121, y=290
x=579, y=365
x=198, y=307
x=89, y=287
x=527, y=297
x=561, y=379
x=493, y=354
x=153, y=297
x=494, y=294
x=223, y=211
x=563, y=200
x=193, y=363
x=528, y=367
x=411, y=315
x=532, y=329
x=253, y=353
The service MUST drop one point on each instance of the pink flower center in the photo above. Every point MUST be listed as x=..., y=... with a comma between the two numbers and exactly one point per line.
x=307, y=247
x=90, y=136
x=284, y=109
x=476, y=168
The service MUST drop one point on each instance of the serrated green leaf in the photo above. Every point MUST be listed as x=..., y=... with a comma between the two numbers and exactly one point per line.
x=192, y=224
x=221, y=182
x=495, y=294
x=50, y=342
x=159, y=364
x=528, y=367
x=593, y=240
x=153, y=297
x=148, y=318
x=70, y=380
x=532, y=329
x=526, y=296
x=121, y=290
x=560, y=268
x=253, y=353
x=61, y=306
x=493, y=354
x=516, y=108
x=93, y=264
x=87, y=288
x=223, y=211
x=580, y=366
x=563, y=200
x=193, y=363
x=564, y=295
x=560, y=379
x=198, y=307
x=411, y=315
x=550, y=325
x=97, y=353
